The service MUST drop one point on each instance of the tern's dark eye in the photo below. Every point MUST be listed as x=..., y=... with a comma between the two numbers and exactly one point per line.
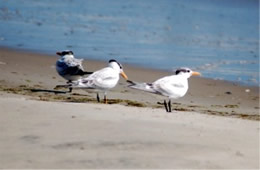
x=188, y=71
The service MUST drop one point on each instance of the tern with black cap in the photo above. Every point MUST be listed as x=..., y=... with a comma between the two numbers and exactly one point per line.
x=173, y=87
x=102, y=80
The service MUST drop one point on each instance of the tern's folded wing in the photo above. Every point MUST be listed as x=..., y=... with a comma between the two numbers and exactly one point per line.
x=101, y=79
x=171, y=87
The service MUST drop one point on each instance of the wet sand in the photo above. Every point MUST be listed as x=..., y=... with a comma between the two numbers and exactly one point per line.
x=216, y=125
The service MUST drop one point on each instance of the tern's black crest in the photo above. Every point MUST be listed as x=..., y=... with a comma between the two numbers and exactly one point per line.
x=67, y=52
x=182, y=70
x=113, y=60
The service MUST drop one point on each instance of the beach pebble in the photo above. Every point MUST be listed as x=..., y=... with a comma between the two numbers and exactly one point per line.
x=247, y=90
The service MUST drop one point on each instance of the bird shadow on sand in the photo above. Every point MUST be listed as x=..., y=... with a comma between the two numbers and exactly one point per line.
x=49, y=91
x=51, y=95
x=55, y=90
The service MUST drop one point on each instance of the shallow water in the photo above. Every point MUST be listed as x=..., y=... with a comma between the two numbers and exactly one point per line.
x=219, y=38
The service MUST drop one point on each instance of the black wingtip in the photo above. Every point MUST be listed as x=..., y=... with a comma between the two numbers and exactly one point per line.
x=87, y=72
x=130, y=82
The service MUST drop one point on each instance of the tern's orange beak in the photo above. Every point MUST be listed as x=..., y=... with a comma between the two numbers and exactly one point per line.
x=194, y=73
x=124, y=75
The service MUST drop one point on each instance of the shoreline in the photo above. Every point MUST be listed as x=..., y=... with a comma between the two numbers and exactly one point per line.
x=138, y=66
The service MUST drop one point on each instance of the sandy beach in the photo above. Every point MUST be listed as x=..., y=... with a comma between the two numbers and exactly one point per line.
x=216, y=125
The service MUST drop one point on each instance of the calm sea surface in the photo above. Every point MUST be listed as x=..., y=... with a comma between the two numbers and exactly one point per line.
x=219, y=38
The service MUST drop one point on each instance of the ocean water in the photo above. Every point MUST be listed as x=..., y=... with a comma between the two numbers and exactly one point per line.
x=219, y=38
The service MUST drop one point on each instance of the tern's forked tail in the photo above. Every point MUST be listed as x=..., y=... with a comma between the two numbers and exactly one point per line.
x=141, y=86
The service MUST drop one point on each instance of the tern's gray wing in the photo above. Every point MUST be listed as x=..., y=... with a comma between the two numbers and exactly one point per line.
x=105, y=78
x=69, y=68
x=171, y=86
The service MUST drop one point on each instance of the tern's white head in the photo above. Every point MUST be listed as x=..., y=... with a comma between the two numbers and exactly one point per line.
x=65, y=54
x=118, y=67
x=186, y=72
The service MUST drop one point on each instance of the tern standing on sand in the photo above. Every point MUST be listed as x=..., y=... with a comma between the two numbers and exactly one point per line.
x=101, y=80
x=173, y=87
x=69, y=67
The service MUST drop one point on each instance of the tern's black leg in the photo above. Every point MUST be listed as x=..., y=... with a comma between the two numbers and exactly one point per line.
x=165, y=105
x=170, y=106
x=70, y=88
x=98, y=99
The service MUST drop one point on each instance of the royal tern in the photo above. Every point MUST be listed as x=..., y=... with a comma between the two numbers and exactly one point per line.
x=69, y=67
x=101, y=80
x=173, y=87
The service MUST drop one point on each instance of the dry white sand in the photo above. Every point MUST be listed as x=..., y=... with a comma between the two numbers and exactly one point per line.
x=38, y=134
